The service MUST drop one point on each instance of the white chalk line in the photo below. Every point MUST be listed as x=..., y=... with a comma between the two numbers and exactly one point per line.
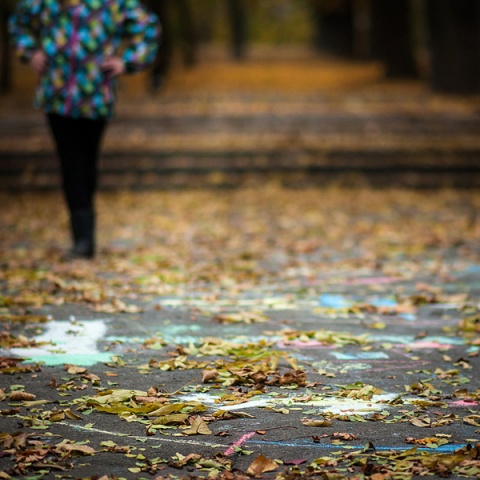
x=145, y=439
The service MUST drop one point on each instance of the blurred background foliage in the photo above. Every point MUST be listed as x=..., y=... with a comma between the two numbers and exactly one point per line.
x=437, y=41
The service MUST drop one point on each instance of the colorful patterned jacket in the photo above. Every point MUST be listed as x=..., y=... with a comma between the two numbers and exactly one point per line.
x=76, y=39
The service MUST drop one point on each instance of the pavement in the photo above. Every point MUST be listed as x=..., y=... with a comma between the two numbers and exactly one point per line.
x=248, y=333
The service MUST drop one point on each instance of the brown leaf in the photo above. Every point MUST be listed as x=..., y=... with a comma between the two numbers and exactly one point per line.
x=261, y=465
x=74, y=370
x=208, y=375
x=71, y=415
x=198, y=427
x=317, y=423
x=75, y=448
x=151, y=399
x=421, y=422
x=347, y=437
x=57, y=416
x=22, y=396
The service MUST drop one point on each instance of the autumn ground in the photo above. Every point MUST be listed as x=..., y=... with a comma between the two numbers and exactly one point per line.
x=261, y=331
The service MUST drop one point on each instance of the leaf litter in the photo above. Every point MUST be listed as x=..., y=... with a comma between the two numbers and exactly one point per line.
x=306, y=243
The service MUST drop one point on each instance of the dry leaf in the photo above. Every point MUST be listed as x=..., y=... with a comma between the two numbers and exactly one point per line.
x=208, y=375
x=317, y=423
x=198, y=427
x=151, y=399
x=75, y=448
x=260, y=466
x=22, y=396
x=74, y=370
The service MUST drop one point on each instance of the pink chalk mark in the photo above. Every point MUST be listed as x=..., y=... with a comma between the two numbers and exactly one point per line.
x=463, y=404
x=372, y=281
x=231, y=450
x=433, y=345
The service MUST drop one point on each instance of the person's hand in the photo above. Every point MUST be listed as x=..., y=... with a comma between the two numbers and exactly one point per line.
x=113, y=66
x=38, y=62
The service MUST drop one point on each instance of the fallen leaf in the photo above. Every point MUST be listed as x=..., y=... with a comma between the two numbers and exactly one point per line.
x=21, y=396
x=208, y=375
x=198, y=427
x=261, y=465
x=317, y=423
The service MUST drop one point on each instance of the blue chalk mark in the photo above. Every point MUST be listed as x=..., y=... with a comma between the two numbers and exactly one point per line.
x=410, y=317
x=445, y=340
x=84, y=360
x=338, y=301
x=473, y=269
x=330, y=300
x=329, y=446
x=361, y=356
x=384, y=302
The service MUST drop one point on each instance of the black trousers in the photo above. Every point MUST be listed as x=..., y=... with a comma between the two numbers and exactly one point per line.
x=78, y=144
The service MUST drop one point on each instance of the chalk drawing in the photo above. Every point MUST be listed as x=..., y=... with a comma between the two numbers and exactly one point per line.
x=308, y=443
x=402, y=340
x=338, y=301
x=383, y=302
x=211, y=400
x=473, y=269
x=360, y=356
x=463, y=404
x=70, y=342
x=307, y=344
x=144, y=439
x=372, y=280
x=231, y=450
x=324, y=404
x=292, y=443
x=335, y=301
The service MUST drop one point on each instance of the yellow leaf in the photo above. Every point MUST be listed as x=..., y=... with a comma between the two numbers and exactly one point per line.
x=317, y=423
x=173, y=419
x=57, y=416
x=71, y=415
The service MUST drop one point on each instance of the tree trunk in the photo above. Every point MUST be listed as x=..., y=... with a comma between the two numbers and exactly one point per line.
x=392, y=37
x=187, y=32
x=163, y=59
x=334, y=26
x=238, y=25
x=5, y=58
x=454, y=31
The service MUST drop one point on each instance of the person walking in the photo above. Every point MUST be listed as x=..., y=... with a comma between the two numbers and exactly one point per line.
x=78, y=48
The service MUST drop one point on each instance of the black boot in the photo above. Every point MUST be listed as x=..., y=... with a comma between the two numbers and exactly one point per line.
x=83, y=232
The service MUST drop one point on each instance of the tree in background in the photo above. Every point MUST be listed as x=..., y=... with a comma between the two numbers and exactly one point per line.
x=237, y=14
x=454, y=37
x=6, y=8
x=334, y=26
x=392, y=37
x=346, y=28
x=178, y=25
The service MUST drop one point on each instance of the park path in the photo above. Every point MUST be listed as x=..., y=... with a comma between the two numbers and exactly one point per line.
x=261, y=331
x=258, y=332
